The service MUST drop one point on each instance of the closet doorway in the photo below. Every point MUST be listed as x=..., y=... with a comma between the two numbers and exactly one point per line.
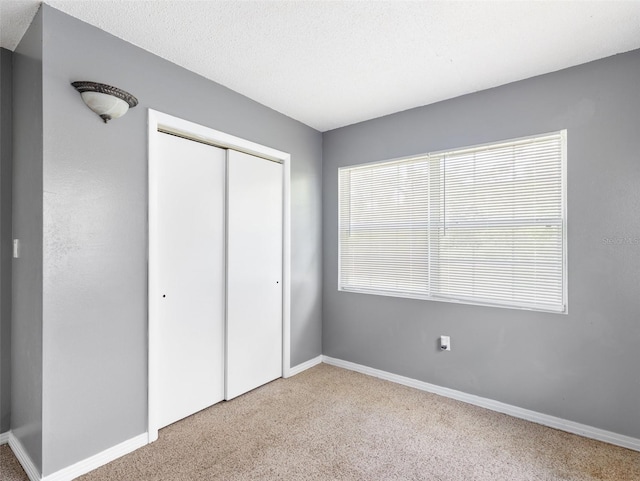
x=218, y=268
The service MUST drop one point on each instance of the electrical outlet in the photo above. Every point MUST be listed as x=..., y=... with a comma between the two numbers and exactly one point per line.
x=445, y=343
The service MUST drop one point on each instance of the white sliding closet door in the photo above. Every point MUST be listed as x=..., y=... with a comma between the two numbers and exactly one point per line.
x=254, y=272
x=190, y=239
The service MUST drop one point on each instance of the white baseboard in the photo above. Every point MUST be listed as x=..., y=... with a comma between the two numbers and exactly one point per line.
x=82, y=467
x=97, y=460
x=23, y=458
x=536, y=417
x=305, y=365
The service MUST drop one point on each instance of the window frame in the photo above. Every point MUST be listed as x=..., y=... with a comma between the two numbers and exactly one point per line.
x=445, y=152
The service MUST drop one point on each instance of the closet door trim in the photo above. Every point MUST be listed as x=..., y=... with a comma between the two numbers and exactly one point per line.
x=161, y=122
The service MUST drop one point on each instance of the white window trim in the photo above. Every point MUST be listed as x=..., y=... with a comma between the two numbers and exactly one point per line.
x=477, y=147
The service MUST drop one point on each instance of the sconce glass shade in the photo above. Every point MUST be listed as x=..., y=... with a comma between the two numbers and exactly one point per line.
x=106, y=101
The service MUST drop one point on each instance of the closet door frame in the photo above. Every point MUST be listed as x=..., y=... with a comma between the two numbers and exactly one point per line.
x=161, y=122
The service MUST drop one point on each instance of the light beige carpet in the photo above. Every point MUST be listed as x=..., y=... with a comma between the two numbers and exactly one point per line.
x=331, y=424
x=10, y=469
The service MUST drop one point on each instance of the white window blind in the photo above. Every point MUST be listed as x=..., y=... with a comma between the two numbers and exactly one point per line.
x=482, y=225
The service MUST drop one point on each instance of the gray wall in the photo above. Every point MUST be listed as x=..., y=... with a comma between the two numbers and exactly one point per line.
x=6, y=153
x=582, y=366
x=26, y=327
x=95, y=222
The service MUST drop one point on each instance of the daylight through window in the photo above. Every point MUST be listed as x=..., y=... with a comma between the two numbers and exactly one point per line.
x=482, y=225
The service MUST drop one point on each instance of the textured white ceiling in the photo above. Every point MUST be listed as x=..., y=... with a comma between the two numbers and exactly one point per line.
x=334, y=63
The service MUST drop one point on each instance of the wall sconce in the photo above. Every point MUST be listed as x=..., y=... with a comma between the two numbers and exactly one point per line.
x=106, y=101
